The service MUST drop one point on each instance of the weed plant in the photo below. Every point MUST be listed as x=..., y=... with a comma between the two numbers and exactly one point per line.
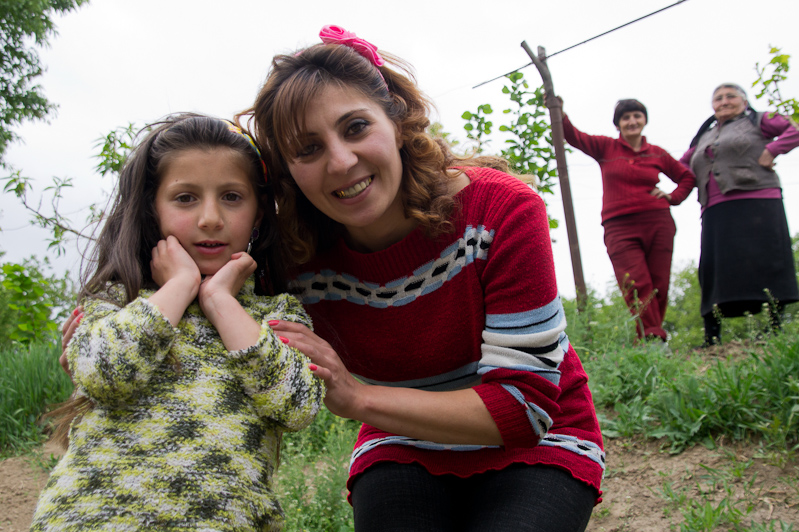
x=721, y=499
x=31, y=379
x=311, y=481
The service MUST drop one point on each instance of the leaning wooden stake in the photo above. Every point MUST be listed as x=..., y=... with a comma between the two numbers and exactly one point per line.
x=556, y=117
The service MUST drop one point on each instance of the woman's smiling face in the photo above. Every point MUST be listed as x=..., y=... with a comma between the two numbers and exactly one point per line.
x=349, y=166
x=728, y=103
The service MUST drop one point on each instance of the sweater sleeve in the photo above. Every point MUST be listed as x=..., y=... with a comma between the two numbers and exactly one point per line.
x=592, y=145
x=685, y=160
x=780, y=127
x=685, y=179
x=116, y=349
x=524, y=341
x=275, y=375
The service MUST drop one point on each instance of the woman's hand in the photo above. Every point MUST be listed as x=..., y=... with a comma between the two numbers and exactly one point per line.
x=343, y=393
x=656, y=192
x=551, y=100
x=67, y=332
x=766, y=160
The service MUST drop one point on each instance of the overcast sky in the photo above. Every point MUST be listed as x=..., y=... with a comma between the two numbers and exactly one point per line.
x=120, y=61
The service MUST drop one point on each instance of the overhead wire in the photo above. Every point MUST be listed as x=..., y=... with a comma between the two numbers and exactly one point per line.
x=583, y=42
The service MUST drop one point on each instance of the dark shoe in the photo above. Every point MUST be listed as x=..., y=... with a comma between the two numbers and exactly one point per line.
x=710, y=342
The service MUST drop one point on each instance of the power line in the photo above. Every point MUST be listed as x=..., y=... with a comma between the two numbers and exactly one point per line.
x=583, y=42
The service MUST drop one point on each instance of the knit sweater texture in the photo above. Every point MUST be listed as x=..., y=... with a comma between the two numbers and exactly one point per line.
x=477, y=307
x=183, y=434
x=628, y=176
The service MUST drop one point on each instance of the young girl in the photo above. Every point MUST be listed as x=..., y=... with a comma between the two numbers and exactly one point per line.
x=182, y=387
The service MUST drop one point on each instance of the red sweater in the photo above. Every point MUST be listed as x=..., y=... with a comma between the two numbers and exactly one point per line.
x=629, y=176
x=478, y=307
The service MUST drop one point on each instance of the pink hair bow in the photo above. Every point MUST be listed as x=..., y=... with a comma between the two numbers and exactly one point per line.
x=331, y=34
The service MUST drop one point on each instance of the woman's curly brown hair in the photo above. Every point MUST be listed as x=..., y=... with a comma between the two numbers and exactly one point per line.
x=277, y=120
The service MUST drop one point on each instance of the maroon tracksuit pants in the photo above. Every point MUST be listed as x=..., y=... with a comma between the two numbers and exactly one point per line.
x=640, y=246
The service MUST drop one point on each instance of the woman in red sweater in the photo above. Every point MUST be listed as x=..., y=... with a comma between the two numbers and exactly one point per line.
x=639, y=229
x=437, y=319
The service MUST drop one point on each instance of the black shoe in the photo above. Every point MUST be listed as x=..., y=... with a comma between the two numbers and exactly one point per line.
x=710, y=342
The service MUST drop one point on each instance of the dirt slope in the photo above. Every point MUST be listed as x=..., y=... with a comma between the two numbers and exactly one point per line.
x=637, y=472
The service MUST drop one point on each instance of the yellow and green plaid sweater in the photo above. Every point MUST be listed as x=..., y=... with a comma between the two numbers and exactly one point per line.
x=183, y=434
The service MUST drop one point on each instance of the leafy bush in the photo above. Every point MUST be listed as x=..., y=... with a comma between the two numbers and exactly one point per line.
x=31, y=302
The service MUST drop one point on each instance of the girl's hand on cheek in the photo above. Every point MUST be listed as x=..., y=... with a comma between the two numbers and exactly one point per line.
x=229, y=279
x=344, y=393
x=170, y=261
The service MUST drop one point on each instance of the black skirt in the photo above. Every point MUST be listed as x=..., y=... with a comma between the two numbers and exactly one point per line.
x=746, y=257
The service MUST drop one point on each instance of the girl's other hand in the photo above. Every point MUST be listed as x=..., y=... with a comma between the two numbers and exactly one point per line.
x=171, y=261
x=229, y=279
x=343, y=393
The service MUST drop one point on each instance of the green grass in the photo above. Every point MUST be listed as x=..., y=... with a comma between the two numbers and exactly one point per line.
x=747, y=391
x=311, y=480
x=684, y=399
x=720, y=499
x=30, y=380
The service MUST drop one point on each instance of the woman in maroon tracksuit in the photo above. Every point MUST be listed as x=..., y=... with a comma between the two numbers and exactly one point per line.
x=639, y=229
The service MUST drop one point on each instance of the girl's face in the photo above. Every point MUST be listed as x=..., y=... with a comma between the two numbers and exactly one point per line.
x=349, y=167
x=206, y=200
x=631, y=124
x=728, y=103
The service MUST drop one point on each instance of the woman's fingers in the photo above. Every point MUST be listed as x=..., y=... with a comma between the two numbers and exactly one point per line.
x=656, y=192
x=68, y=329
x=766, y=160
x=319, y=371
x=67, y=332
x=320, y=354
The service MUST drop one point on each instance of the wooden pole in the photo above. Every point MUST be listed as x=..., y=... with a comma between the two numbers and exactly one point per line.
x=556, y=117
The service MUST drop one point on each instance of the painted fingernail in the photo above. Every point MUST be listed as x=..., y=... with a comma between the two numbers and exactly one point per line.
x=79, y=318
x=313, y=367
x=76, y=312
x=284, y=340
x=272, y=323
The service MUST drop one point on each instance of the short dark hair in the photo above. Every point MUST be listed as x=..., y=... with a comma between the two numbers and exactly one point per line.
x=626, y=106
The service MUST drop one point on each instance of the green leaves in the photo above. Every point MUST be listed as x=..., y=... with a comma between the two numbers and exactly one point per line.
x=769, y=77
x=114, y=149
x=20, y=99
x=30, y=301
x=477, y=125
x=528, y=146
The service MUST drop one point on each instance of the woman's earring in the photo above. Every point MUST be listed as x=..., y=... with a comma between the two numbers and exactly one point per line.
x=253, y=237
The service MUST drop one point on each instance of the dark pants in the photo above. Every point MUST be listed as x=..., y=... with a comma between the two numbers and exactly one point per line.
x=640, y=247
x=521, y=498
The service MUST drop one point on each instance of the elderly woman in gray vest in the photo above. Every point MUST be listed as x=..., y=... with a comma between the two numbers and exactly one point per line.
x=746, y=258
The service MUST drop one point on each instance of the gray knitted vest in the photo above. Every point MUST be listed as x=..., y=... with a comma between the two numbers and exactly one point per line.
x=736, y=147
